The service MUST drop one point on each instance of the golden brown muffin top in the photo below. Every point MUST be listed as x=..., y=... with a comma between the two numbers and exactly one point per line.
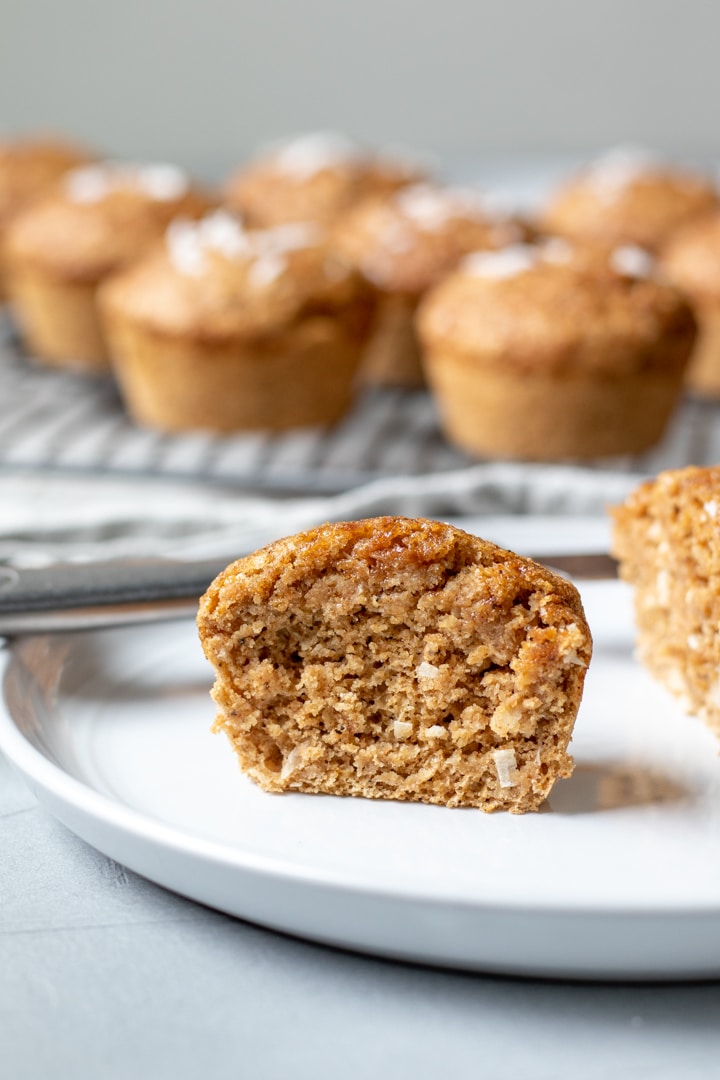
x=314, y=177
x=558, y=308
x=691, y=259
x=28, y=167
x=629, y=197
x=687, y=500
x=406, y=241
x=103, y=217
x=213, y=279
x=383, y=550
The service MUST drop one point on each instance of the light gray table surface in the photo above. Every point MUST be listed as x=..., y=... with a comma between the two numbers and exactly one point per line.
x=105, y=975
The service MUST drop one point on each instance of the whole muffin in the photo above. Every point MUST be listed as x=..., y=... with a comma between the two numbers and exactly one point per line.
x=691, y=260
x=397, y=658
x=60, y=250
x=404, y=243
x=629, y=197
x=28, y=169
x=667, y=539
x=313, y=177
x=547, y=353
x=225, y=329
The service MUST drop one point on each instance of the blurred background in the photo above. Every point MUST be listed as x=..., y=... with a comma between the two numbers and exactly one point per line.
x=466, y=80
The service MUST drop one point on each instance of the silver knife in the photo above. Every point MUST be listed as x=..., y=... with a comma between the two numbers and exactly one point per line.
x=80, y=596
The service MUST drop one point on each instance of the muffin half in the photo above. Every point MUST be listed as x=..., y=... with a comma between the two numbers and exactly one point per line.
x=397, y=658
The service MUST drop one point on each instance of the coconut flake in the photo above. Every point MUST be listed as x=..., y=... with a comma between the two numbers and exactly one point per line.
x=431, y=208
x=188, y=242
x=266, y=269
x=632, y=261
x=307, y=155
x=711, y=508
x=508, y=263
x=435, y=731
x=506, y=767
x=614, y=170
x=402, y=729
x=92, y=183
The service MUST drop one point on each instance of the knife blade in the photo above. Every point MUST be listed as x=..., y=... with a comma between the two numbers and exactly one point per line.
x=80, y=596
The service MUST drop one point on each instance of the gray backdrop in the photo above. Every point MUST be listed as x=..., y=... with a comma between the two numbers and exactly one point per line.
x=203, y=82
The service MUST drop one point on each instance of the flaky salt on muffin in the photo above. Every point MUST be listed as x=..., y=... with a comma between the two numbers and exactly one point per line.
x=629, y=197
x=61, y=249
x=397, y=658
x=314, y=177
x=224, y=328
x=554, y=352
x=404, y=243
x=29, y=168
x=691, y=260
x=667, y=538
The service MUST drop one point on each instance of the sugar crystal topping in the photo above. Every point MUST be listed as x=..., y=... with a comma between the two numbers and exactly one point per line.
x=92, y=183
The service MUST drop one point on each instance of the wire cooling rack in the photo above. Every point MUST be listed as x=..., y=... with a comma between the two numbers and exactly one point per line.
x=59, y=420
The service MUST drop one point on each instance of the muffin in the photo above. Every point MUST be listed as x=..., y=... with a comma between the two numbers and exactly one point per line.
x=224, y=328
x=629, y=197
x=691, y=260
x=397, y=658
x=403, y=243
x=667, y=539
x=314, y=177
x=61, y=249
x=551, y=352
x=28, y=169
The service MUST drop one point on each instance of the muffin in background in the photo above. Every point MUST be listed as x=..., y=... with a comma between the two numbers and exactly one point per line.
x=29, y=167
x=403, y=243
x=551, y=352
x=101, y=218
x=314, y=177
x=691, y=260
x=227, y=329
x=628, y=196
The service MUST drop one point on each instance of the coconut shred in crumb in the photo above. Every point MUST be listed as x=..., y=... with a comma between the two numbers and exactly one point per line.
x=506, y=766
x=507, y=263
x=92, y=183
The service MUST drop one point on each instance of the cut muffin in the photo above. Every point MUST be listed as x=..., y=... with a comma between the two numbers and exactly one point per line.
x=404, y=243
x=61, y=249
x=629, y=197
x=225, y=329
x=397, y=658
x=314, y=177
x=691, y=260
x=667, y=539
x=554, y=352
x=29, y=168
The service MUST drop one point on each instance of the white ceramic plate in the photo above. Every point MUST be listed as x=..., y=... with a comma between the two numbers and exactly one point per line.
x=619, y=876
